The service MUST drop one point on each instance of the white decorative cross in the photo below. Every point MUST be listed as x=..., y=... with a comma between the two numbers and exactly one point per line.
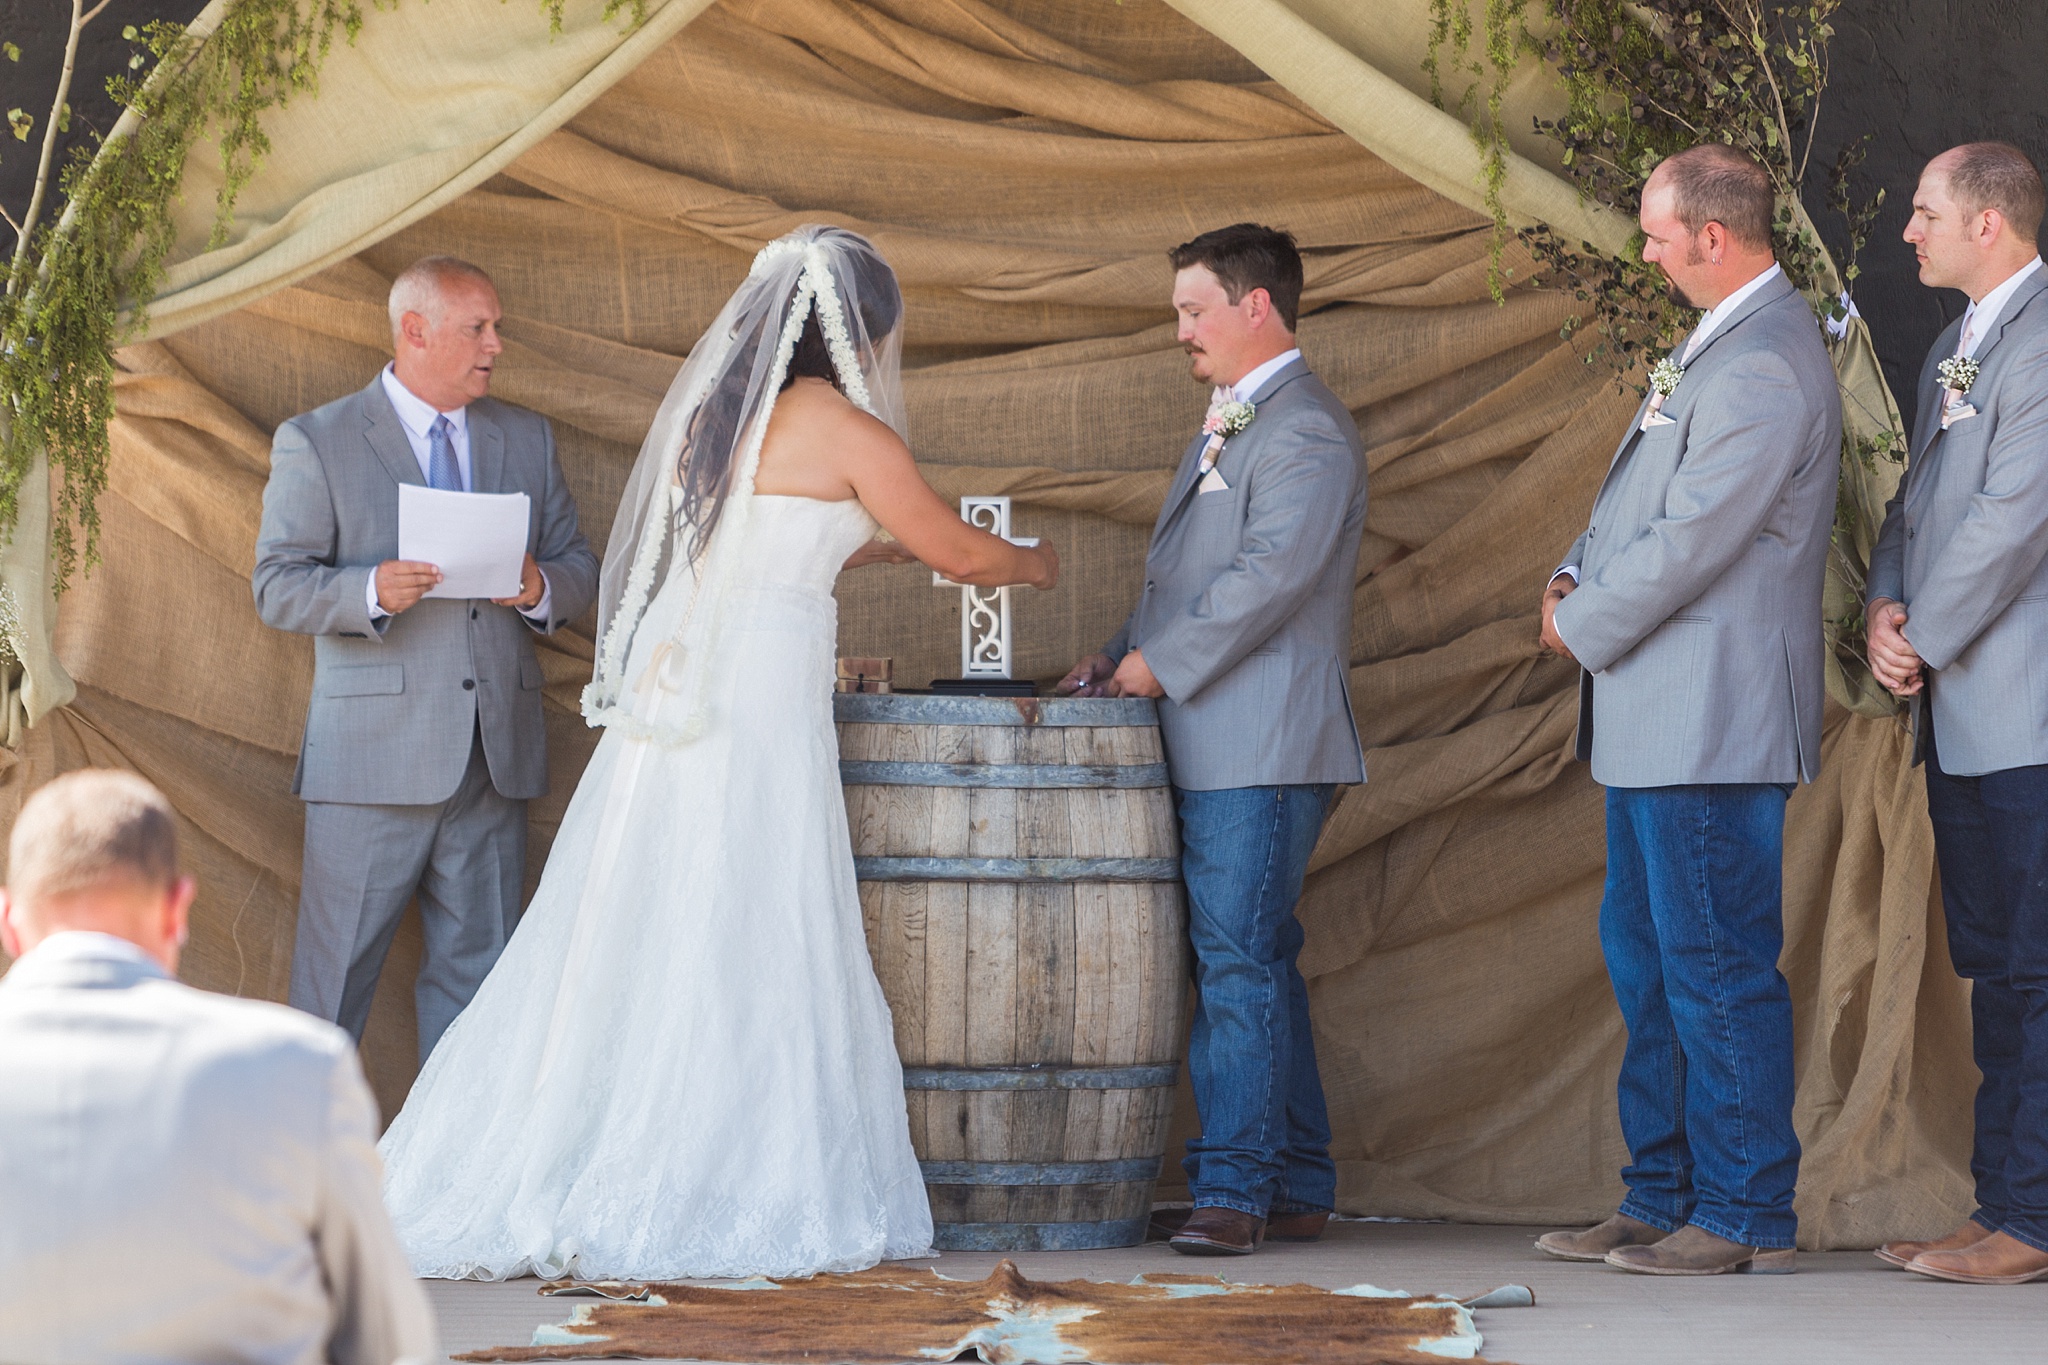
x=985, y=612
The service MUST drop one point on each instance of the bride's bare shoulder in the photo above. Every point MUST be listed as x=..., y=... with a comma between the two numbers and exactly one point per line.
x=820, y=410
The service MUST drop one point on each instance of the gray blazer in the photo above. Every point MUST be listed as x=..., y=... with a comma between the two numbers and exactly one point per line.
x=396, y=700
x=214, y=1158
x=1245, y=618
x=1965, y=547
x=1697, y=619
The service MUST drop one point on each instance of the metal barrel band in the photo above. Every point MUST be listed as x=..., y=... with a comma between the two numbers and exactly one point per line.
x=1041, y=1077
x=1115, y=1232
x=1015, y=776
x=902, y=708
x=1017, y=869
x=1144, y=1169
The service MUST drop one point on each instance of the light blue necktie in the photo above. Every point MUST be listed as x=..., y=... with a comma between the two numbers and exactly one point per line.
x=442, y=470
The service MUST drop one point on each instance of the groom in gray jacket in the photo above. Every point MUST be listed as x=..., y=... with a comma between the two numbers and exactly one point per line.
x=424, y=737
x=1692, y=603
x=1243, y=633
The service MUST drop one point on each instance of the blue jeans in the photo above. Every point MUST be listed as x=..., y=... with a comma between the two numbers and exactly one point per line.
x=1991, y=845
x=1265, y=1143
x=1692, y=924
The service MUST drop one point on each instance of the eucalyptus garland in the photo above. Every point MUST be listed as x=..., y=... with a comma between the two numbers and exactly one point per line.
x=80, y=286
x=1643, y=79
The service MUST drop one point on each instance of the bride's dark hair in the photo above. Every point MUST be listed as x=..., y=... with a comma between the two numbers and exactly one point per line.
x=705, y=462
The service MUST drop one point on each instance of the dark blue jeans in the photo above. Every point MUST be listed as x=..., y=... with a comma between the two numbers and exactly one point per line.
x=1991, y=845
x=1265, y=1143
x=1692, y=924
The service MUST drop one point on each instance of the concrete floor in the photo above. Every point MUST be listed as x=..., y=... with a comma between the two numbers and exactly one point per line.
x=1840, y=1306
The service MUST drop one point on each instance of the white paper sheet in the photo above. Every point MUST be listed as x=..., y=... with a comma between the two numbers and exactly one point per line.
x=477, y=540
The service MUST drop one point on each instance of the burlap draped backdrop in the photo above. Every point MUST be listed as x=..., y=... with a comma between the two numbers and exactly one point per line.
x=1024, y=164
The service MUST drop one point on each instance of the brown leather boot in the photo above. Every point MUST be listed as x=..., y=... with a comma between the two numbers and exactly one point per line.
x=1296, y=1227
x=1593, y=1244
x=1899, y=1253
x=1694, y=1251
x=1219, y=1232
x=1996, y=1259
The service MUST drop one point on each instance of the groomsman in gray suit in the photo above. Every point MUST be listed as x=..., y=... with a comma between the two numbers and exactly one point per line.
x=1692, y=603
x=1958, y=617
x=424, y=738
x=1243, y=633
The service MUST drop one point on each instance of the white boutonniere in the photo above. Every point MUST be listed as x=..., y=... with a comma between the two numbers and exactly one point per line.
x=1223, y=422
x=1957, y=373
x=1664, y=377
x=1229, y=419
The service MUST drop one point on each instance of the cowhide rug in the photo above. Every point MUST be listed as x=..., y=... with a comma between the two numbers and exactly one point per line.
x=888, y=1316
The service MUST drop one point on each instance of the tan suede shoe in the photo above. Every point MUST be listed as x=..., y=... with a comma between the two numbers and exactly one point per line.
x=1898, y=1253
x=1997, y=1259
x=1695, y=1251
x=1593, y=1244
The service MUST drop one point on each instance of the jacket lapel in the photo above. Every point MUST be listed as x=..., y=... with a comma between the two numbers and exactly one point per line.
x=2028, y=291
x=386, y=435
x=486, y=453
x=1928, y=420
x=1191, y=461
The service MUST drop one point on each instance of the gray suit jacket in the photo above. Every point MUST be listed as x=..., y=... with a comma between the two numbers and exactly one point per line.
x=1246, y=614
x=396, y=700
x=1697, y=618
x=1965, y=547
x=216, y=1159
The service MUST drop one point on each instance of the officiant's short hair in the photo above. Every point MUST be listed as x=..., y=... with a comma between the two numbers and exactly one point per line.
x=1248, y=256
x=1998, y=175
x=419, y=285
x=1716, y=183
x=88, y=829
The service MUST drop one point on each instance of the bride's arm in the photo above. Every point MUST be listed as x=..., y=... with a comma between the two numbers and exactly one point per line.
x=884, y=476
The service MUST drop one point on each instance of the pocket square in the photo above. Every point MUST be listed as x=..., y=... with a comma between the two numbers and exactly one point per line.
x=1958, y=413
x=1657, y=419
x=1212, y=482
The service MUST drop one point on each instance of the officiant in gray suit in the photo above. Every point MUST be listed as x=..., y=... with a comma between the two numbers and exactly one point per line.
x=1692, y=603
x=424, y=737
x=1243, y=634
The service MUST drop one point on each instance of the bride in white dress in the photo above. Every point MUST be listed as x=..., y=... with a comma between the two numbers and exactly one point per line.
x=683, y=1066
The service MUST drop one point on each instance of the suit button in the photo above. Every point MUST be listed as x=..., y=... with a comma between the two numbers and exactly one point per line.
x=1909, y=533
x=472, y=613
x=469, y=684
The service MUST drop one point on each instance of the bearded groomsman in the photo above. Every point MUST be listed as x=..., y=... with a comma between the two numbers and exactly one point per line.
x=1692, y=603
x=1958, y=617
x=1243, y=633
x=424, y=737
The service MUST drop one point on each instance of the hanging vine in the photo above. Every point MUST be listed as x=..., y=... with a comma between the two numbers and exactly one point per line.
x=1642, y=79
x=79, y=285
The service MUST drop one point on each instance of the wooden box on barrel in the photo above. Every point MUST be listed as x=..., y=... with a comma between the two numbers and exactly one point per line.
x=1020, y=882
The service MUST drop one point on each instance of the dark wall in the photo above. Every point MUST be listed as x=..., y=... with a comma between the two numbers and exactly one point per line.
x=38, y=28
x=1921, y=75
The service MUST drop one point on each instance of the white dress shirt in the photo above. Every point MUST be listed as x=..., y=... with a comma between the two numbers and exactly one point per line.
x=1244, y=388
x=185, y=1176
x=1709, y=324
x=417, y=416
x=1983, y=314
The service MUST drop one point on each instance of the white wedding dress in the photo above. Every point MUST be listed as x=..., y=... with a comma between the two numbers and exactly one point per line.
x=683, y=1066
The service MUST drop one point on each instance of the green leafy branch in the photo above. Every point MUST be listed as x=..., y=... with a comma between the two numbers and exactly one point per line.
x=80, y=286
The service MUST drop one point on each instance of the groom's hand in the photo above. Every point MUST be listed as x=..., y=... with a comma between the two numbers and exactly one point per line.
x=1087, y=678
x=1134, y=678
x=403, y=582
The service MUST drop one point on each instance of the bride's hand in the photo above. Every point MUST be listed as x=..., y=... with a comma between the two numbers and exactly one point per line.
x=878, y=552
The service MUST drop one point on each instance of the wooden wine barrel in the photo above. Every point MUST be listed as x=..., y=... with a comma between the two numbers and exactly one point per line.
x=1019, y=868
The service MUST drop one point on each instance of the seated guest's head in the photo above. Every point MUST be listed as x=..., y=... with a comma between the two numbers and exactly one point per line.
x=96, y=850
x=1238, y=293
x=444, y=331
